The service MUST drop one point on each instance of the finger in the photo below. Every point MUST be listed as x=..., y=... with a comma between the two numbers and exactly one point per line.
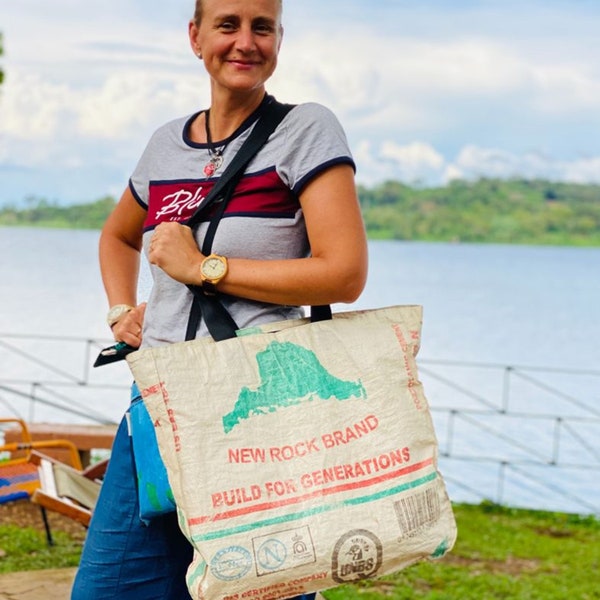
x=133, y=339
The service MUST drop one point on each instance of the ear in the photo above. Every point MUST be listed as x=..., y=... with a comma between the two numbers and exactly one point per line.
x=280, y=38
x=194, y=35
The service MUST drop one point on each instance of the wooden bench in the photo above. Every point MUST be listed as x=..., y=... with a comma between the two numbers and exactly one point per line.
x=85, y=437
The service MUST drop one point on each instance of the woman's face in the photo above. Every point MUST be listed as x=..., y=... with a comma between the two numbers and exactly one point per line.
x=239, y=41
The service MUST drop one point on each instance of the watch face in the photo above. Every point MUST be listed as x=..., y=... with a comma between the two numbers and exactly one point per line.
x=213, y=268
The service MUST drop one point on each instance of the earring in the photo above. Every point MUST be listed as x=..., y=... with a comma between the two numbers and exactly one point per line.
x=199, y=55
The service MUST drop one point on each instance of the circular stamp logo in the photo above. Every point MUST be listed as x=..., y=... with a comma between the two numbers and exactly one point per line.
x=231, y=563
x=357, y=555
x=272, y=554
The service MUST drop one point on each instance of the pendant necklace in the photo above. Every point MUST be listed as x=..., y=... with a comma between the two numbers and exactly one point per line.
x=216, y=154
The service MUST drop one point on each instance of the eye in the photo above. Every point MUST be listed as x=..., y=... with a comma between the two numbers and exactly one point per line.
x=264, y=27
x=227, y=26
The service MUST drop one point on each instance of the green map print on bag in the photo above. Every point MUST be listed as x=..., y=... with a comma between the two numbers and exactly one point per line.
x=290, y=375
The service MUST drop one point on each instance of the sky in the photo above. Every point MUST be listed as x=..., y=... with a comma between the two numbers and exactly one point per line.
x=426, y=90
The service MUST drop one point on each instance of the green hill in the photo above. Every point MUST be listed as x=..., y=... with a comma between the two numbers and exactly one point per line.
x=488, y=210
x=514, y=211
x=38, y=212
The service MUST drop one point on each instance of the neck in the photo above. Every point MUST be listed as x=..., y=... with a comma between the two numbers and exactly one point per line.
x=226, y=115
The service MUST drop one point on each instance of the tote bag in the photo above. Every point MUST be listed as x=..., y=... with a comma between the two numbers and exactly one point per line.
x=300, y=455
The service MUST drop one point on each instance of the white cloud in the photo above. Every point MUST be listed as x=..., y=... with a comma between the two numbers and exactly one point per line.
x=424, y=93
x=582, y=170
x=452, y=172
x=126, y=102
x=461, y=66
x=473, y=162
x=420, y=163
x=444, y=86
x=567, y=88
x=415, y=156
x=415, y=162
x=32, y=108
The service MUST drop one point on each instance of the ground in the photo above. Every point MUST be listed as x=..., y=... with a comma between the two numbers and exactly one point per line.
x=26, y=514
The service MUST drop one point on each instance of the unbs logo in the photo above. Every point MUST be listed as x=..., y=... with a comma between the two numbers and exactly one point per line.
x=357, y=555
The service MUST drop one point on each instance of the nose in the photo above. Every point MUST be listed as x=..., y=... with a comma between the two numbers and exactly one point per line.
x=245, y=40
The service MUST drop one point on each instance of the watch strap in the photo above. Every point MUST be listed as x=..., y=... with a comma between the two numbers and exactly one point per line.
x=209, y=288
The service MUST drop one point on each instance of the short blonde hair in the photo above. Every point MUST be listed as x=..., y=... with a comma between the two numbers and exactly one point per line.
x=198, y=11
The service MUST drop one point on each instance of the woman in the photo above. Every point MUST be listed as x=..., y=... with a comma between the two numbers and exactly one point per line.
x=292, y=236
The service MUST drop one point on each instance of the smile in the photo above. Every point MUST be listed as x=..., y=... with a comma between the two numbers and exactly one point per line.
x=243, y=63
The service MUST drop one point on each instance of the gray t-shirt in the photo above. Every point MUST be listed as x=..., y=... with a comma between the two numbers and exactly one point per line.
x=263, y=219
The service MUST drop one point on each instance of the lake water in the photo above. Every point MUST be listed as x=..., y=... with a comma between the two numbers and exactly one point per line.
x=486, y=304
x=507, y=304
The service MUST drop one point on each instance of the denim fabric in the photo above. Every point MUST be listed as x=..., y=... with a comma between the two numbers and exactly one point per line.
x=123, y=558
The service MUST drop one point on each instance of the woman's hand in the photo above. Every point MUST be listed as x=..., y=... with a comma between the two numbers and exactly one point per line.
x=128, y=328
x=174, y=249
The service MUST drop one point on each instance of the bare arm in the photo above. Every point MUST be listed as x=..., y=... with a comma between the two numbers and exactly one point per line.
x=335, y=272
x=120, y=245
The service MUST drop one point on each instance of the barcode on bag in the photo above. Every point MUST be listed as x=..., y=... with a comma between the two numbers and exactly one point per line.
x=418, y=510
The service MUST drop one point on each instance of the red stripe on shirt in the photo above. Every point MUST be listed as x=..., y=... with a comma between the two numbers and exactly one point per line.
x=259, y=195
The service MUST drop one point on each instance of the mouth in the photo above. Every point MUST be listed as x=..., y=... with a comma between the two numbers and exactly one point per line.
x=243, y=63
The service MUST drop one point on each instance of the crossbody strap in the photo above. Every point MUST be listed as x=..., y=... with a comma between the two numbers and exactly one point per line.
x=219, y=322
x=272, y=114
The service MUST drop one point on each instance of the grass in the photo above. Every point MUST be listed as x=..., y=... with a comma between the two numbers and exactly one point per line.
x=26, y=549
x=501, y=553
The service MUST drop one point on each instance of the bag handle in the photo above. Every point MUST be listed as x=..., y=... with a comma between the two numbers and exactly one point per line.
x=219, y=322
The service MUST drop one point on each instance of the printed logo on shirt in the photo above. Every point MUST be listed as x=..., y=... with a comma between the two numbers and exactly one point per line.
x=174, y=201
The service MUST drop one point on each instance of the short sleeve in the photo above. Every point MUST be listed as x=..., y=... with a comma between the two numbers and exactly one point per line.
x=314, y=141
x=139, y=182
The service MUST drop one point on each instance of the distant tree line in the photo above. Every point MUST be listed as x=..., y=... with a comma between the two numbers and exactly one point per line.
x=489, y=210
x=1, y=53
x=39, y=212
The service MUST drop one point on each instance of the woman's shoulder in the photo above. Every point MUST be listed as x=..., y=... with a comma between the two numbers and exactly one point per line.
x=313, y=111
x=173, y=129
x=311, y=116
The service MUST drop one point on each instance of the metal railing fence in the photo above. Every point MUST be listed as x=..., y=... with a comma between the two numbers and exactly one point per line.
x=519, y=435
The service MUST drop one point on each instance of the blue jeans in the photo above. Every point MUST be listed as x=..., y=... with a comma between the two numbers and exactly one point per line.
x=124, y=559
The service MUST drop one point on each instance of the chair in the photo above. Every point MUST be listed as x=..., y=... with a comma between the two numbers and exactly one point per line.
x=69, y=491
x=18, y=477
x=28, y=473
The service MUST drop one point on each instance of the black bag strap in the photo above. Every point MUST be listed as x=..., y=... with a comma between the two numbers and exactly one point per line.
x=219, y=322
x=272, y=114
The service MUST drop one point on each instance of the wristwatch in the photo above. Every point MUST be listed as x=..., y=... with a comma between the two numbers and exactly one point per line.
x=212, y=269
x=116, y=312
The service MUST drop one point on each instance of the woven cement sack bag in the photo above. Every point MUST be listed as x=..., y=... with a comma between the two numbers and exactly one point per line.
x=300, y=455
